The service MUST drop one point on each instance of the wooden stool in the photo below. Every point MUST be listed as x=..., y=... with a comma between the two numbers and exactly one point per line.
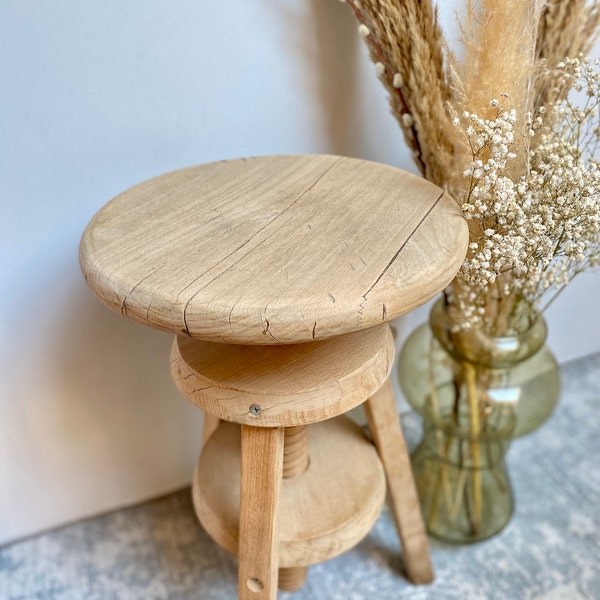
x=278, y=275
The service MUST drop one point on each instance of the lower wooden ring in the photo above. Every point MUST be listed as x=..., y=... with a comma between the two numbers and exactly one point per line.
x=322, y=513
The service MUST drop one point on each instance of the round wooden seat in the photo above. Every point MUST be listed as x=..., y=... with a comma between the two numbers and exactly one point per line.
x=269, y=250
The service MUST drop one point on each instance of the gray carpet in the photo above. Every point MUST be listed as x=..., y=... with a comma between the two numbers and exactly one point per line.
x=550, y=550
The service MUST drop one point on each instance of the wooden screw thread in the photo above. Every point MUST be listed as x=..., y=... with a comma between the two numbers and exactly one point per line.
x=295, y=451
x=295, y=462
x=291, y=578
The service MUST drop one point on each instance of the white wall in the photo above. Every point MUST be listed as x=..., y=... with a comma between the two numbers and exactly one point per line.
x=97, y=96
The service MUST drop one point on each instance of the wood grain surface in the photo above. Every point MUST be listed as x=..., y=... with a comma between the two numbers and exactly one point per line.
x=322, y=513
x=271, y=250
x=261, y=464
x=283, y=386
x=384, y=423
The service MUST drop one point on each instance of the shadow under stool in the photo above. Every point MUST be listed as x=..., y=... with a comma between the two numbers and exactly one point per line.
x=278, y=276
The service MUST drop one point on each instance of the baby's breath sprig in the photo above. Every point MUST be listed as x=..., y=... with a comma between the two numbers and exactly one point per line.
x=532, y=233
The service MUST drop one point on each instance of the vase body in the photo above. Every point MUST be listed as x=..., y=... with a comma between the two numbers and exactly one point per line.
x=475, y=393
x=519, y=373
x=461, y=478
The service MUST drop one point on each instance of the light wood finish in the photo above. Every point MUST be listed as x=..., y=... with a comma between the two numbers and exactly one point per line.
x=295, y=451
x=210, y=426
x=291, y=385
x=322, y=513
x=279, y=275
x=261, y=466
x=272, y=250
x=292, y=578
x=384, y=424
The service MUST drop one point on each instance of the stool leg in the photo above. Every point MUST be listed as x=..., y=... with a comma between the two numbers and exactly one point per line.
x=384, y=424
x=262, y=460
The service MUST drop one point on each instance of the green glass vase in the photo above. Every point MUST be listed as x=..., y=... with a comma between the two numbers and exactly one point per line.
x=518, y=372
x=462, y=479
x=475, y=394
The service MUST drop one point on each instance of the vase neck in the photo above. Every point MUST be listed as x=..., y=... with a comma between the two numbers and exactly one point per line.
x=475, y=346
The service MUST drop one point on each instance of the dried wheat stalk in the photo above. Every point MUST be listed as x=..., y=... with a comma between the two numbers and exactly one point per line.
x=407, y=45
x=503, y=43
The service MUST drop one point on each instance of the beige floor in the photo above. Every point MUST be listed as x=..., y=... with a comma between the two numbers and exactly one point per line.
x=549, y=551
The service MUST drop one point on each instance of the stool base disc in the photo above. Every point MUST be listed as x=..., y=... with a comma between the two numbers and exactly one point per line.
x=322, y=513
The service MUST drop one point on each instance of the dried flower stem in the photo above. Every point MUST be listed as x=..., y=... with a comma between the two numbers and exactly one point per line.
x=566, y=30
x=404, y=36
x=475, y=430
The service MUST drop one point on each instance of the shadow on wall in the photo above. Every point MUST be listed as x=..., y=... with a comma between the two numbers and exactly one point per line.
x=130, y=418
x=337, y=70
x=321, y=39
x=91, y=417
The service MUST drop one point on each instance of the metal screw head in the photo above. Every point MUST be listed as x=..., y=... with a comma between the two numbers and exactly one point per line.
x=255, y=410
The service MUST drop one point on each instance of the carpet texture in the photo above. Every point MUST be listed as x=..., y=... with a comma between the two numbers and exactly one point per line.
x=158, y=551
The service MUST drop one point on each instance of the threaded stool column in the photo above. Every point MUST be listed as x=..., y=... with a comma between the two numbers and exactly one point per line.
x=295, y=451
x=291, y=578
x=295, y=462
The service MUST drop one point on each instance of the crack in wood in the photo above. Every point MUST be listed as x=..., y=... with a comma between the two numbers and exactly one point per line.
x=393, y=259
x=285, y=210
x=201, y=389
x=266, y=327
x=124, y=301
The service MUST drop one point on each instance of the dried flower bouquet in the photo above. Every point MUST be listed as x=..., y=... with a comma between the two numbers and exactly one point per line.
x=510, y=130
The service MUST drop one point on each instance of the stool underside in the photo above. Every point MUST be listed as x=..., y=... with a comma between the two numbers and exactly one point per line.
x=322, y=513
x=283, y=386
